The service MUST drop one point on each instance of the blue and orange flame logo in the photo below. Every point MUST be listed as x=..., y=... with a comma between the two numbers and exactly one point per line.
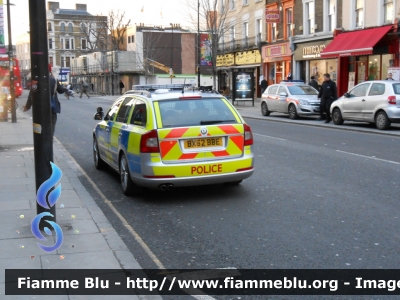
x=47, y=202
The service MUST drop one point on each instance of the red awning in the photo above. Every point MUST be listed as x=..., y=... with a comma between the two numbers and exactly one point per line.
x=360, y=42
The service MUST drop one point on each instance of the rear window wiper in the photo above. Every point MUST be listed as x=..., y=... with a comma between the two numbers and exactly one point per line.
x=215, y=122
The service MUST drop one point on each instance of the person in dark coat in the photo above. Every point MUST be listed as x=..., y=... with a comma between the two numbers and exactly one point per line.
x=59, y=90
x=327, y=94
x=314, y=83
x=264, y=85
x=121, y=86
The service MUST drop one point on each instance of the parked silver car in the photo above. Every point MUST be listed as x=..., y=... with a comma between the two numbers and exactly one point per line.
x=376, y=101
x=293, y=98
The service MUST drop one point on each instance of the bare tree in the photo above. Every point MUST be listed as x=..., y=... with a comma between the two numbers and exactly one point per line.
x=117, y=28
x=210, y=17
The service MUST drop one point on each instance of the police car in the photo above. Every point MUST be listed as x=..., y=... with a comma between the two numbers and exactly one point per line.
x=167, y=138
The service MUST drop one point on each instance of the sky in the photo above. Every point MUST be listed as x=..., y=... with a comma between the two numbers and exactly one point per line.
x=149, y=12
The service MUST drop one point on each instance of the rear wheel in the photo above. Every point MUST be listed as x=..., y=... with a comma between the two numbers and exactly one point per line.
x=293, y=112
x=127, y=185
x=98, y=161
x=264, y=109
x=337, y=117
x=382, y=121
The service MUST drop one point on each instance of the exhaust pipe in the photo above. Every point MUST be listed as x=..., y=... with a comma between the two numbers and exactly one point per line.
x=166, y=186
x=163, y=187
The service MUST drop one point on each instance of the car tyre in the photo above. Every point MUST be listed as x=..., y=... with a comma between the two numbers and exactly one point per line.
x=337, y=117
x=382, y=121
x=264, y=109
x=99, y=163
x=127, y=184
x=237, y=182
x=293, y=112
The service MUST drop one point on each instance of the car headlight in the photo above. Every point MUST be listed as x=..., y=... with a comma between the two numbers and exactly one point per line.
x=304, y=102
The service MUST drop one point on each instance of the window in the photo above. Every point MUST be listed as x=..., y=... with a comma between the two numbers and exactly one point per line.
x=67, y=62
x=233, y=33
x=232, y=4
x=62, y=43
x=123, y=112
x=67, y=44
x=139, y=114
x=132, y=38
x=377, y=89
x=129, y=39
x=112, y=111
x=50, y=43
x=62, y=27
x=83, y=44
x=360, y=91
x=258, y=30
x=246, y=30
x=273, y=89
x=311, y=14
x=388, y=11
x=49, y=27
x=83, y=27
x=331, y=15
x=245, y=2
x=72, y=43
x=273, y=32
x=359, y=13
x=282, y=89
x=289, y=22
x=70, y=28
x=50, y=60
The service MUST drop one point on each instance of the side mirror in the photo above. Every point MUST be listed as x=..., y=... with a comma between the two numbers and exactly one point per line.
x=99, y=115
x=283, y=94
x=347, y=95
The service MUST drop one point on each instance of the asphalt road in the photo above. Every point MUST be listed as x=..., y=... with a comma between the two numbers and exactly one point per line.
x=319, y=198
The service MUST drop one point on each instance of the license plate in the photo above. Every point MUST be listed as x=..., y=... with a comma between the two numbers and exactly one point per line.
x=203, y=143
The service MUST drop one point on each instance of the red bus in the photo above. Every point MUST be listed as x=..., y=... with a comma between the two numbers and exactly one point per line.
x=5, y=74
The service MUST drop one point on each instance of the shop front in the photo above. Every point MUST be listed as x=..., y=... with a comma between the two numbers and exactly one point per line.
x=307, y=58
x=229, y=65
x=277, y=62
x=363, y=55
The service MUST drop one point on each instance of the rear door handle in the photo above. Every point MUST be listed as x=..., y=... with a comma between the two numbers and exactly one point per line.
x=363, y=100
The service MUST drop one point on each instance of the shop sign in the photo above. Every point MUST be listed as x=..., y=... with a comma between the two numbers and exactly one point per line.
x=225, y=60
x=248, y=57
x=276, y=50
x=310, y=50
x=272, y=16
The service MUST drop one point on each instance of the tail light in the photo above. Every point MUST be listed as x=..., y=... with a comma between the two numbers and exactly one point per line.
x=392, y=99
x=248, y=136
x=149, y=142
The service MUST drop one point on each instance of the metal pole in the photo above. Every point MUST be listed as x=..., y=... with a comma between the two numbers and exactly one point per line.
x=11, y=66
x=172, y=47
x=198, y=43
x=41, y=111
x=112, y=73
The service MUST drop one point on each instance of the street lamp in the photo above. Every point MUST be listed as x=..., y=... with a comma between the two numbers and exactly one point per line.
x=198, y=43
x=11, y=65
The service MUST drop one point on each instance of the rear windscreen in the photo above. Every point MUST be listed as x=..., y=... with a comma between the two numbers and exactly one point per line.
x=396, y=88
x=176, y=113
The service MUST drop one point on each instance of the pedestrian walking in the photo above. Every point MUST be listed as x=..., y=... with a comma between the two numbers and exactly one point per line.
x=121, y=86
x=55, y=87
x=84, y=89
x=314, y=83
x=389, y=76
x=264, y=85
x=327, y=94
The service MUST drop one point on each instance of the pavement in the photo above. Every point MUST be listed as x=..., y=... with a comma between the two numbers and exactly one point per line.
x=90, y=242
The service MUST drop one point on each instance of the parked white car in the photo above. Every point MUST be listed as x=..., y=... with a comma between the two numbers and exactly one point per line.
x=376, y=102
x=290, y=97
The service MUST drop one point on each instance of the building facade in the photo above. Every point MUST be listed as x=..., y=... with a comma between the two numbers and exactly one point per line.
x=367, y=44
x=239, y=49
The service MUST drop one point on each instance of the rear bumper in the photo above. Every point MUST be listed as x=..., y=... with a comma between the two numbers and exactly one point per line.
x=393, y=113
x=153, y=172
